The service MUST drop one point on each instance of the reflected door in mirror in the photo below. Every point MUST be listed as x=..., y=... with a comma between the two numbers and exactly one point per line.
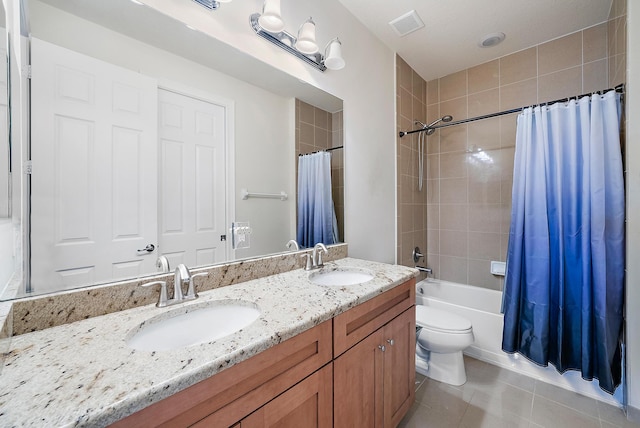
x=94, y=180
x=192, y=184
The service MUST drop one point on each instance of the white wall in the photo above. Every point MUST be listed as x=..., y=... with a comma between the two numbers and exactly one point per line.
x=264, y=140
x=633, y=209
x=366, y=85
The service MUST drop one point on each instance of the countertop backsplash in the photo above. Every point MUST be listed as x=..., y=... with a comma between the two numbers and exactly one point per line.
x=41, y=312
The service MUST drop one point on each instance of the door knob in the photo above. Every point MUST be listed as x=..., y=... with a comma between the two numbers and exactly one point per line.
x=390, y=342
x=382, y=348
x=148, y=249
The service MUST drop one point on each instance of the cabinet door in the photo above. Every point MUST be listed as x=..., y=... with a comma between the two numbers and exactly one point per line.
x=399, y=367
x=308, y=404
x=357, y=395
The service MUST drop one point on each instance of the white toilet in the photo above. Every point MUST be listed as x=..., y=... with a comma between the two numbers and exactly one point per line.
x=440, y=341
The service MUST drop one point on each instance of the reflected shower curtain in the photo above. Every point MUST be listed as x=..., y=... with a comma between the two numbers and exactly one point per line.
x=316, y=214
x=563, y=294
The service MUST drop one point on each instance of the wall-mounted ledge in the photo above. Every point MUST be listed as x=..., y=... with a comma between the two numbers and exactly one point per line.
x=41, y=312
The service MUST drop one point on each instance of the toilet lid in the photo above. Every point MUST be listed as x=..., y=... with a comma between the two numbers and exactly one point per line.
x=440, y=320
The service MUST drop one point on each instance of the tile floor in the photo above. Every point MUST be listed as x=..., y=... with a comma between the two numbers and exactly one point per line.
x=494, y=397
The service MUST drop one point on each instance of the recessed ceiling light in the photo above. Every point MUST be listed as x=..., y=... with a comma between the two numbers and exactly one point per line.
x=491, y=40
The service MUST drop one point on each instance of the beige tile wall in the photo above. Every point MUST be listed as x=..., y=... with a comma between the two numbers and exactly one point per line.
x=470, y=166
x=316, y=130
x=411, y=97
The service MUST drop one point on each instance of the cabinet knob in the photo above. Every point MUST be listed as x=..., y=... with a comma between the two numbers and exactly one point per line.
x=390, y=342
x=382, y=348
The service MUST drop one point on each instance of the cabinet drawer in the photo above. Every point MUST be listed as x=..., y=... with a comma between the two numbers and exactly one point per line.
x=354, y=325
x=256, y=380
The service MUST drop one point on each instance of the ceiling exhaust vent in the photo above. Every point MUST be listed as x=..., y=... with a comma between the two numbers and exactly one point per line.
x=407, y=23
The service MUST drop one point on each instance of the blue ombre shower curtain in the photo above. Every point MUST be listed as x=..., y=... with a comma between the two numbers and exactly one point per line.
x=316, y=214
x=563, y=296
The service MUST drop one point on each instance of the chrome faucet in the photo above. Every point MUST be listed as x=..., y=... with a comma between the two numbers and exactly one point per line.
x=314, y=259
x=294, y=244
x=163, y=264
x=181, y=276
x=317, y=255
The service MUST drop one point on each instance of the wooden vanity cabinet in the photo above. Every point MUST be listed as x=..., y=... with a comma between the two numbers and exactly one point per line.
x=306, y=405
x=366, y=380
x=375, y=374
x=227, y=397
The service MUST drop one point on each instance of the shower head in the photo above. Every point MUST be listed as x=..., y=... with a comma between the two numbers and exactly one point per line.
x=431, y=129
x=447, y=118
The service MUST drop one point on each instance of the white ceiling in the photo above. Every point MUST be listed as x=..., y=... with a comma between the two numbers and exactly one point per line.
x=453, y=28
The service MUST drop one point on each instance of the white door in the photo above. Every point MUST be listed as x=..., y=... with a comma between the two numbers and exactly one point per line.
x=94, y=180
x=192, y=183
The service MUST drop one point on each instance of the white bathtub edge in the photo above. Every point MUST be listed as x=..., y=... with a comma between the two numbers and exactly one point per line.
x=485, y=323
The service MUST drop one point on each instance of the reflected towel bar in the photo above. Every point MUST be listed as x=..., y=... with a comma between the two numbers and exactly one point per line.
x=246, y=195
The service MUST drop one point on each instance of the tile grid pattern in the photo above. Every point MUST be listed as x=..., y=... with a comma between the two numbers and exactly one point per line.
x=470, y=167
x=411, y=203
x=495, y=397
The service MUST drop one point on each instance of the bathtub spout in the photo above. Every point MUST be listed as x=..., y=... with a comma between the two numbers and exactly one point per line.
x=426, y=270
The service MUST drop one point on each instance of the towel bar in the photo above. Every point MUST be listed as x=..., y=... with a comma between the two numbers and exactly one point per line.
x=246, y=195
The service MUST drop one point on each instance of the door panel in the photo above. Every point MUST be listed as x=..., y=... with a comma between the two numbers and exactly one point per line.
x=94, y=180
x=358, y=385
x=193, y=201
x=399, y=367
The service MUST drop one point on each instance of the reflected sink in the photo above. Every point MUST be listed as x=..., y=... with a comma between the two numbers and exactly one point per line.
x=193, y=325
x=341, y=276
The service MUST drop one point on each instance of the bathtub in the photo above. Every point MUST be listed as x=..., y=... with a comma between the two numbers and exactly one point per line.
x=482, y=307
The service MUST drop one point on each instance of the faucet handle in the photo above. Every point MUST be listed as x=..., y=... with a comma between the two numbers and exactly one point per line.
x=162, y=299
x=191, y=292
x=309, y=263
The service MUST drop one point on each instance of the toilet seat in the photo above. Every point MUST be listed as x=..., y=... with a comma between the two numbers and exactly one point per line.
x=441, y=321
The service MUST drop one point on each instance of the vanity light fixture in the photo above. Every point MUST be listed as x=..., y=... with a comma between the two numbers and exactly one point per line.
x=211, y=4
x=270, y=26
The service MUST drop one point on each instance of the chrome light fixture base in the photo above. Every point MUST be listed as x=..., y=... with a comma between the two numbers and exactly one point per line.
x=286, y=41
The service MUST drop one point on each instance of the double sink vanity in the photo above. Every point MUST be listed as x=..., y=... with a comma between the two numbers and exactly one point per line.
x=329, y=347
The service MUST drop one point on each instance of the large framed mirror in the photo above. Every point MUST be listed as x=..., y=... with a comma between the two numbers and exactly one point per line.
x=5, y=158
x=146, y=137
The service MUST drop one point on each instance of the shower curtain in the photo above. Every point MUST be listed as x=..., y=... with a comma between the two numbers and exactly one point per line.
x=316, y=214
x=563, y=296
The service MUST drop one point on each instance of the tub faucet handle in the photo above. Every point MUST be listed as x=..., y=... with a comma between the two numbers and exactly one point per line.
x=417, y=255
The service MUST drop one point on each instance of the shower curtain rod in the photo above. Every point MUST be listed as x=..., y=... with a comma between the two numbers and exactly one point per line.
x=620, y=88
x=324, y=150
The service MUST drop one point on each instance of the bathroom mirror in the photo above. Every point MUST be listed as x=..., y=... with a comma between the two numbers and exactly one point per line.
x=5, y=202
x=142, y=60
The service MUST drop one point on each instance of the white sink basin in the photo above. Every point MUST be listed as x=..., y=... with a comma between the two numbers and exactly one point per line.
x=192, y=325
x=341, y=276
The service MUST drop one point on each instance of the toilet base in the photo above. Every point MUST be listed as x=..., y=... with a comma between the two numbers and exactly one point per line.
x=446, y=368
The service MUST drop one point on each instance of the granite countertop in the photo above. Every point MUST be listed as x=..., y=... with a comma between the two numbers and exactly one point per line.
x=84, y=374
